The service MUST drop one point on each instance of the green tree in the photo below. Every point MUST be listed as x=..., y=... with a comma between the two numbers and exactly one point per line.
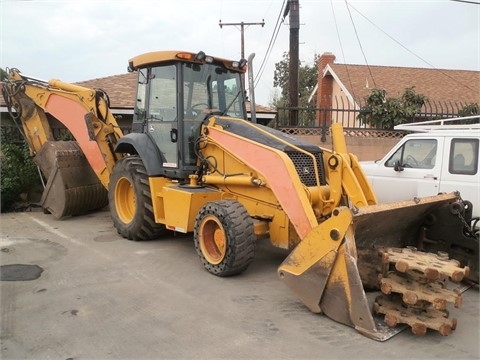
x=470, y=110
x=384, y=112
x=307, y=79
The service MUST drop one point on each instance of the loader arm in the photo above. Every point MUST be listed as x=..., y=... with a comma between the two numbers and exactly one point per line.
x=85, y=113
x=325, y=269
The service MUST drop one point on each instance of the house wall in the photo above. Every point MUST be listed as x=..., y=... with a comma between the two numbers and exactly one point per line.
x=342, y=109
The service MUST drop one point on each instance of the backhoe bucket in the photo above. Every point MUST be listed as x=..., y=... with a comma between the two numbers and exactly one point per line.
x=72, y=187
x=337, y=260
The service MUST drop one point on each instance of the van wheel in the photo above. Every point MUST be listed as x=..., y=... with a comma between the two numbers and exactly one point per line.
x=130, y=201
x=224, y=237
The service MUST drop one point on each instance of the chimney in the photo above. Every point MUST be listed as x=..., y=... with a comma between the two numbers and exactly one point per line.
x=324, y=90
x=325, y=59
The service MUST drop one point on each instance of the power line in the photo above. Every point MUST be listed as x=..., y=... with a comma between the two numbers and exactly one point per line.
x=341, y=48
x=467, y=2
x=411, y=52
x=273, y=39
x=242, y=41
x=359, y=43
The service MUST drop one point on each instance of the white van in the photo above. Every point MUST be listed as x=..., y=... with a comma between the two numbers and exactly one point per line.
x=440, y=156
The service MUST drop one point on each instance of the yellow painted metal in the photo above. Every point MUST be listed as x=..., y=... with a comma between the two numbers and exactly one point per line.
x=344, y=299
x=349, y=173
x=159, y=57
x=338, y=139
x=157, y=185
x=241, y=180
x=125, y=200
x=34, y=122
x=307, y=268
x=261, y=228
x=273, y=166
x=85, y=115
x=365, y=185
x=212, y=239
x=322, y=271
x=182, y=205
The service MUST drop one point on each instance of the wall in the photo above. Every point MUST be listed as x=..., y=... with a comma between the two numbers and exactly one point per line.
x=364, y=148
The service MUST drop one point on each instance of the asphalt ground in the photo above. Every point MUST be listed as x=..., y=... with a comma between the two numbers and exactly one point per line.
x=103, y=297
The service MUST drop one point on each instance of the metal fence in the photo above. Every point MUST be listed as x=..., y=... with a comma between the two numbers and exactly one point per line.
x=317, y=120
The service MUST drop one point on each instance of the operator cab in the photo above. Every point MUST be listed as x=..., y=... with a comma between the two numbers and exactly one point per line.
x=176, y=92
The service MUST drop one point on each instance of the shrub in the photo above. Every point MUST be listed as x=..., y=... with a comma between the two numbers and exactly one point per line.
x=18, y=173
x=384, y=112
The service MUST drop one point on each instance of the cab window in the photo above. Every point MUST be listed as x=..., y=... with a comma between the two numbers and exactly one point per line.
x=163, y=95
x=140, y=110
x=463, y=157
x=415, y=153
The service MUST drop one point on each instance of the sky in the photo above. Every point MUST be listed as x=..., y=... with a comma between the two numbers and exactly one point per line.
x=78, y=40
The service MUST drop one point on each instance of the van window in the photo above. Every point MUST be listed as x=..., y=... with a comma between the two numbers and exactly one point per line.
x=415, y=153
x=463, y=157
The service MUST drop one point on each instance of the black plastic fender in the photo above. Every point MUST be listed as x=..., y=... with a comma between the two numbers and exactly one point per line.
x=143, y=145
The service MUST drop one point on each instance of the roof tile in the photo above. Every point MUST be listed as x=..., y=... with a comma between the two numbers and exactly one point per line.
x=439, y=85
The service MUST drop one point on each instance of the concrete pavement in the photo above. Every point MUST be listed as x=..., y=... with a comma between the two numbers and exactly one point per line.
x=103, y=297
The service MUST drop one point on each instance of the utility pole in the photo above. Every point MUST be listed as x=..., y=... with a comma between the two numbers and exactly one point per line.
x=242, y=30
x=294, y=62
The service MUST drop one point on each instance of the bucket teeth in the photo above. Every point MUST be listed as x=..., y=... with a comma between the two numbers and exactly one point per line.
x=415, y=290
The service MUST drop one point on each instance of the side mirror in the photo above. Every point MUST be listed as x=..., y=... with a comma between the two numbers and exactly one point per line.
x=174, y=135
x=397, y=166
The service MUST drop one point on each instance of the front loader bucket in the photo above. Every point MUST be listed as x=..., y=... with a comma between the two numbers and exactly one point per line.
x=352, y=250
x=72, y=187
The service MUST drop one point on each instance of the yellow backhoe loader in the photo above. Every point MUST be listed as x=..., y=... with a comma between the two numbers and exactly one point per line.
x=193, y=163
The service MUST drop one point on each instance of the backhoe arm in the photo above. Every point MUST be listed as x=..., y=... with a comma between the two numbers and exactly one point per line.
x=77, y=172
x=84, y=112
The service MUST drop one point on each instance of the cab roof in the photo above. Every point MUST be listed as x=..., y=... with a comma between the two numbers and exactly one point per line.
x=159, y=57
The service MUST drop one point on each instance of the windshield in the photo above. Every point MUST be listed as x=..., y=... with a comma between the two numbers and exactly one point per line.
x=211, y=89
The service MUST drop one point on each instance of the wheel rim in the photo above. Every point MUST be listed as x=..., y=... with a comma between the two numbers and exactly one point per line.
x=212, y=239
x=125, y=202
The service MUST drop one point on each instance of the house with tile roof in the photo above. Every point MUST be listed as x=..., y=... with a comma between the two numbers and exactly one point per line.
x=346, y=86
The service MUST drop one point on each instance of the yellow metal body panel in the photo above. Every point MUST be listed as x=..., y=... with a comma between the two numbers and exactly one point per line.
x=158, y=57
x=157, y=186
x=182, y=205
x=348, y=173
x=177, y=206
x=277, y=192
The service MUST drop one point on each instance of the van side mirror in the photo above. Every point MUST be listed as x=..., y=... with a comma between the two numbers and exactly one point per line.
x=397, y=166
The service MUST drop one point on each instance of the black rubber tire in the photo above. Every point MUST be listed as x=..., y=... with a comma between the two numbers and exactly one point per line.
x=237, y=227
x=142, y=224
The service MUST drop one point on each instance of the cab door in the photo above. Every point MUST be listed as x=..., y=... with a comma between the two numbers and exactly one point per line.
x=411, y=170
x=162, y=114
